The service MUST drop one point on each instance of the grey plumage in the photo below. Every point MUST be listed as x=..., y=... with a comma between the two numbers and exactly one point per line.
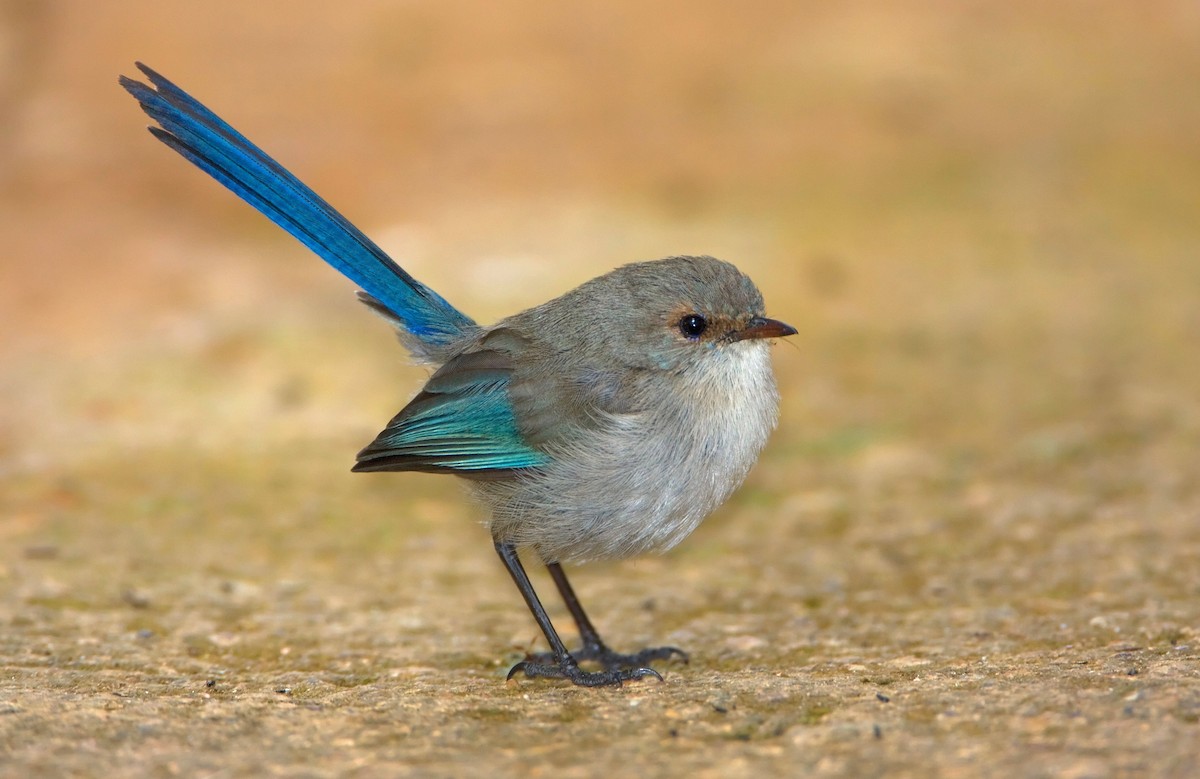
x=644, y=430
x=647, y=431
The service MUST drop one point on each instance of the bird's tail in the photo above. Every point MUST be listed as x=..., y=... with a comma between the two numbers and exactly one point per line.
x=428, y=321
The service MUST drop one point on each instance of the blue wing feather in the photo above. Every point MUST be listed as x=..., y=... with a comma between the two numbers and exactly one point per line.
x=474, y=432
x=211, y=144
x=462, y=421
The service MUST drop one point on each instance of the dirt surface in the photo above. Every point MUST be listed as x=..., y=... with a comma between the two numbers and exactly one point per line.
x=971, y=549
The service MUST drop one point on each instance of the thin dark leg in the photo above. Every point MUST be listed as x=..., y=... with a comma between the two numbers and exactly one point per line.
x=594, y=647
x=587, y=631
x=563, y=665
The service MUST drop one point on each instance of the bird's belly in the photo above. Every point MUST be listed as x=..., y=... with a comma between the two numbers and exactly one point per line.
x=642, y=482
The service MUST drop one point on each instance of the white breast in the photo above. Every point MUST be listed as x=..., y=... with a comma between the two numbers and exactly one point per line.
x=644, y=481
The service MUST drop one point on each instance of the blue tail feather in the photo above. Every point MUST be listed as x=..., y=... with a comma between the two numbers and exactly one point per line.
x=212, y=145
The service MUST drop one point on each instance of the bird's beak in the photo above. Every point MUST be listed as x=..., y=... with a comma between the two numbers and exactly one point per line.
x=761, y=327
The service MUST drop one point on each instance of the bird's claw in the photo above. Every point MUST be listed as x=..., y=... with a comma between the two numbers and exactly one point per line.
x=569, y=669
x=612, y=661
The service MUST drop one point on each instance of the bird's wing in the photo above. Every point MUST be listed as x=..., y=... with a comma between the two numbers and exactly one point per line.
x=462, y=422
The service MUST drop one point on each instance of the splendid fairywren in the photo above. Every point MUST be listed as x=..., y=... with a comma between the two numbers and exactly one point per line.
x=605, y=423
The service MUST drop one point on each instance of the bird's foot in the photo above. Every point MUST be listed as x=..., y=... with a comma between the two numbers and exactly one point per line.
x=567, y=668
x=610, y=660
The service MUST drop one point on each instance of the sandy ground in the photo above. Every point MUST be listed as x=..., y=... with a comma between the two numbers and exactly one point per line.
x=971, y=549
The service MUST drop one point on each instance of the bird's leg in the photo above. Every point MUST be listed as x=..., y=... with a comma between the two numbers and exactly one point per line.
x=594, y=647
x=560, y=663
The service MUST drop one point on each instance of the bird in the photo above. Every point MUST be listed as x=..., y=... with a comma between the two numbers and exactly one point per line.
x=605, y=423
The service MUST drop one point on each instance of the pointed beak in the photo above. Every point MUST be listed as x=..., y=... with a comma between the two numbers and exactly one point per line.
x=761, y=327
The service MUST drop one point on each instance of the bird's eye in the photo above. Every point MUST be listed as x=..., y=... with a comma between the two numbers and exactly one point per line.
x=693, y=326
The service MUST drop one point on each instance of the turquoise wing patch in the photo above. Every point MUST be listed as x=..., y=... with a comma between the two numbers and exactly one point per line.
x=462, y=422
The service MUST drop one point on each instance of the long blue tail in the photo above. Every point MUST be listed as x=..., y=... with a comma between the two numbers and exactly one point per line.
x=221, y=151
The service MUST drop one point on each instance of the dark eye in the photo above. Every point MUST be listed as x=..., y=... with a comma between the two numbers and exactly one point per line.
x=693, y=326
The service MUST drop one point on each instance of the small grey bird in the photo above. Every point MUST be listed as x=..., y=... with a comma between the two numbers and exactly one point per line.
x=603, y=424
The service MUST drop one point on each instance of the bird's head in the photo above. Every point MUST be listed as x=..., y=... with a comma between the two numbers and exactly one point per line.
x=680, y=311
x=665, y=315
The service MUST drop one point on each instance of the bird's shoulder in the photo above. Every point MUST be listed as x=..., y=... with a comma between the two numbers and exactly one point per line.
x=557, y=389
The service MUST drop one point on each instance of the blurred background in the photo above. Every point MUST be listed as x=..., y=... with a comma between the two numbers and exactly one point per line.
x=981, y=216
